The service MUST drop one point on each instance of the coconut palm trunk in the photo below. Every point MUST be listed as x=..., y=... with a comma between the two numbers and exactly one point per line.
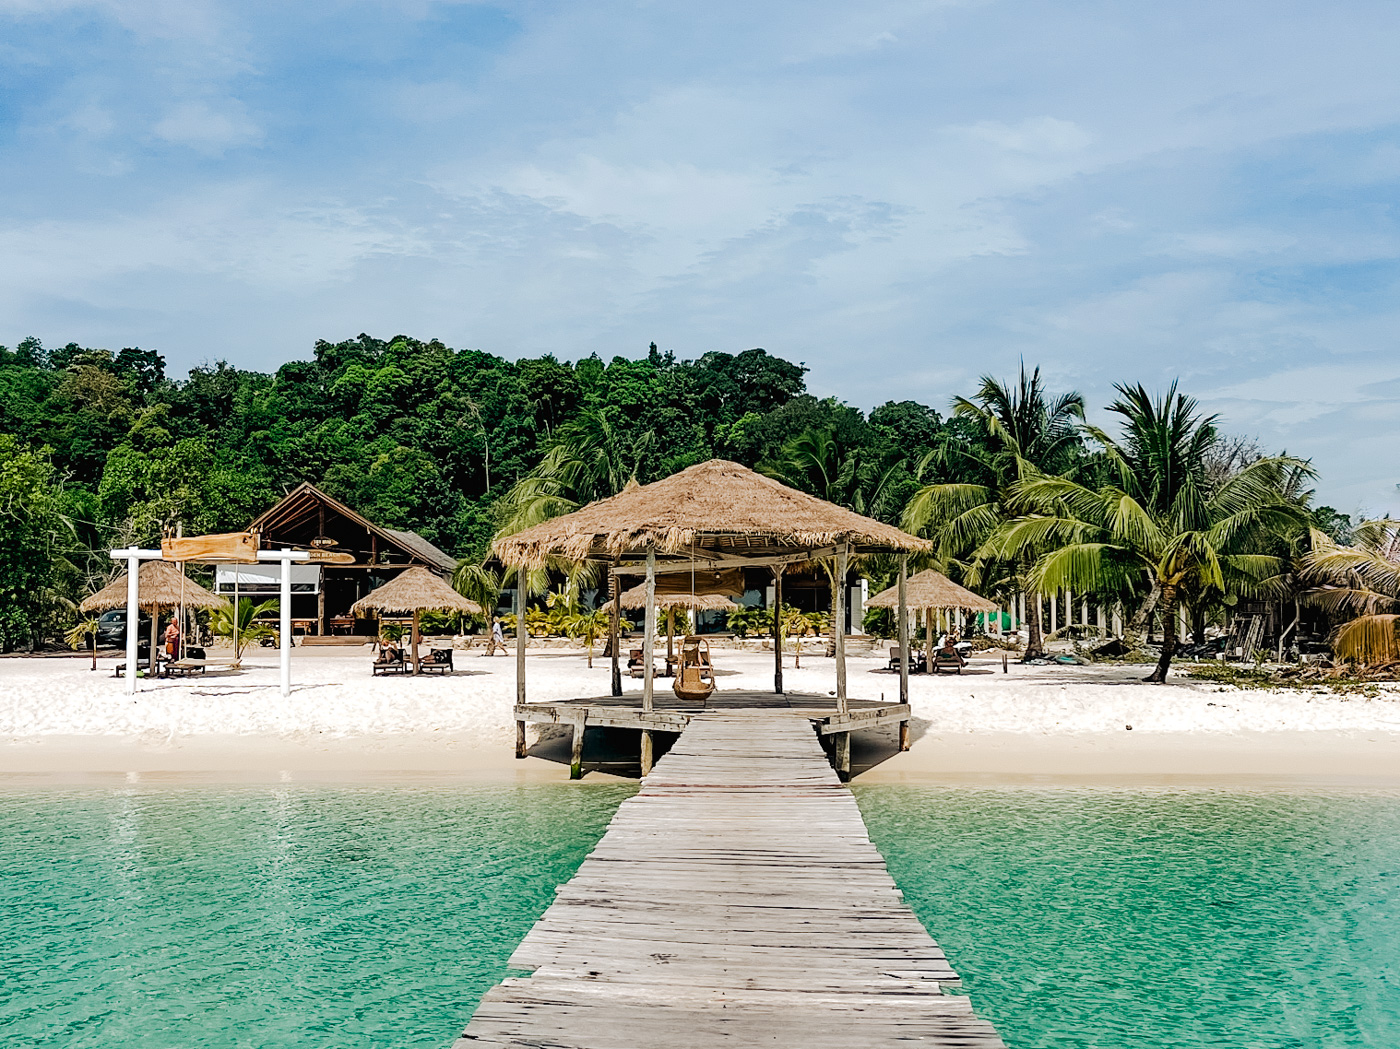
x=1142, y=618
x=1035, y=637
x=1169, y=601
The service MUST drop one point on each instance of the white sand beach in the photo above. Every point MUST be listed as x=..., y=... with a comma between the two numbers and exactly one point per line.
x=57, y=716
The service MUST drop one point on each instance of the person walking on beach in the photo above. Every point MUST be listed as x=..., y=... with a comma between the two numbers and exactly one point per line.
x=498, y=639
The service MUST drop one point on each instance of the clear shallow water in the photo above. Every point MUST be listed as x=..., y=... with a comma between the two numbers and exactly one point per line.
x=1156, y=918
x=259, y=917
x=315, y=916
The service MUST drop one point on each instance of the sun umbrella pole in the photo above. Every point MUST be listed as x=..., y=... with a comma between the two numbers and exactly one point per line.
x=778, y=629
x=520, y=635
x=904, y=628
x=928, y=639
x=133, y=616
x=650, y=640
x=416, y=614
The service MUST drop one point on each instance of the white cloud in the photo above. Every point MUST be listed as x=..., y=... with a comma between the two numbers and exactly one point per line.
x=207, y=129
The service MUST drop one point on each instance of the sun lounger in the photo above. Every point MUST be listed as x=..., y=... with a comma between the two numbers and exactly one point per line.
x=917, y=663
x=437, y=659
x=389, y=661
x=190, y=666
x=635, y=666
x=945, y=660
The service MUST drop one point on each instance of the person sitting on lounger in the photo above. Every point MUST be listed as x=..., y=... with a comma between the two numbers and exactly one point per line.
x=949, y=655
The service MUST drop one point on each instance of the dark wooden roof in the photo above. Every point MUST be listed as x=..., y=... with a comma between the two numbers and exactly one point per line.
x=297, y=519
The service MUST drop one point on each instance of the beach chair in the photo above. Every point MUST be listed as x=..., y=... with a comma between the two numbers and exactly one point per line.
x=945, y=660
x=695, y=674
x=389, y=660
x=917, y=663
x=635, y=666
x=439, y=659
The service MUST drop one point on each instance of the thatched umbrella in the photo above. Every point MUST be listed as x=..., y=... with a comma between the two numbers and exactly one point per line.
x=160, y=586
x=930, y=590
x=414, y=590
x=637, y=598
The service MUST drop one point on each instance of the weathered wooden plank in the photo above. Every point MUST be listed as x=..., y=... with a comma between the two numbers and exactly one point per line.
x=736, y=898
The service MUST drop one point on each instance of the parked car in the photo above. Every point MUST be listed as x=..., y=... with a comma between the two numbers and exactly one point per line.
x=111, y=628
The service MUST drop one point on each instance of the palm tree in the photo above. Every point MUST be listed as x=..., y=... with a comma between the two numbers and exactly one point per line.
x=1107, y=540
x=588, y=458
x=79, y=634
x=1362, y=580
x=590, y=626
x=1023, y=432
x=237, y=622
x=814, y=461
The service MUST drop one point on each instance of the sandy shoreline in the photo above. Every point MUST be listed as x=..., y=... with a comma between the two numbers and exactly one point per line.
x=61, y=723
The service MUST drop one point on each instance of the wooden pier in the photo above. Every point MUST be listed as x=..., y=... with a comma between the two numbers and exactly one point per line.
x=670, y=714
x=735, y=900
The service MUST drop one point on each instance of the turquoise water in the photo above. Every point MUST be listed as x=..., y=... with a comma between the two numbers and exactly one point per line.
x=260, y=917
x=315, y=916
x=1158, y=918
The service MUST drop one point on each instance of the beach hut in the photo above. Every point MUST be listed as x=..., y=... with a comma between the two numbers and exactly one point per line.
x=928, y=592
x=415, y=590
x=161, y=587
x=711, y=517
x=669, y=603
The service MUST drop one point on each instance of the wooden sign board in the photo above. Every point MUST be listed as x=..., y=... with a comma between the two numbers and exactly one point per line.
x=230, y=546
x=331, y=557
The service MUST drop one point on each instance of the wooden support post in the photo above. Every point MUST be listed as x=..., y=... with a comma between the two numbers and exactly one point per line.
x=649, y=671
x=839, y=616
x=648, y=752
x=520, y=739
x=1054, y=613
x=520, y=635
x=904, y=628
x=928, y=640
x=576, y=754
x=615, y=632
x=778, y=629
x=841, y=755
x=904, y=735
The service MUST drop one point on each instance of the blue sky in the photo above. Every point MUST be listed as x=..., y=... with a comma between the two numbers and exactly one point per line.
x=903, y=195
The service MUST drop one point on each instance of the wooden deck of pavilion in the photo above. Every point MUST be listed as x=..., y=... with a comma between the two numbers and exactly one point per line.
x=706, y=520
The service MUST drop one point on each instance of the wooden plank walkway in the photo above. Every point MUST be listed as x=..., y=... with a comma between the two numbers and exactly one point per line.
x=735, y=900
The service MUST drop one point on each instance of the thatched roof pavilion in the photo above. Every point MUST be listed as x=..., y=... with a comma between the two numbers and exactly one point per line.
x=416, y=590
x=161, y=585
x=713, y=516
x=715, y=511
x=637, y=598
x=930, y=589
